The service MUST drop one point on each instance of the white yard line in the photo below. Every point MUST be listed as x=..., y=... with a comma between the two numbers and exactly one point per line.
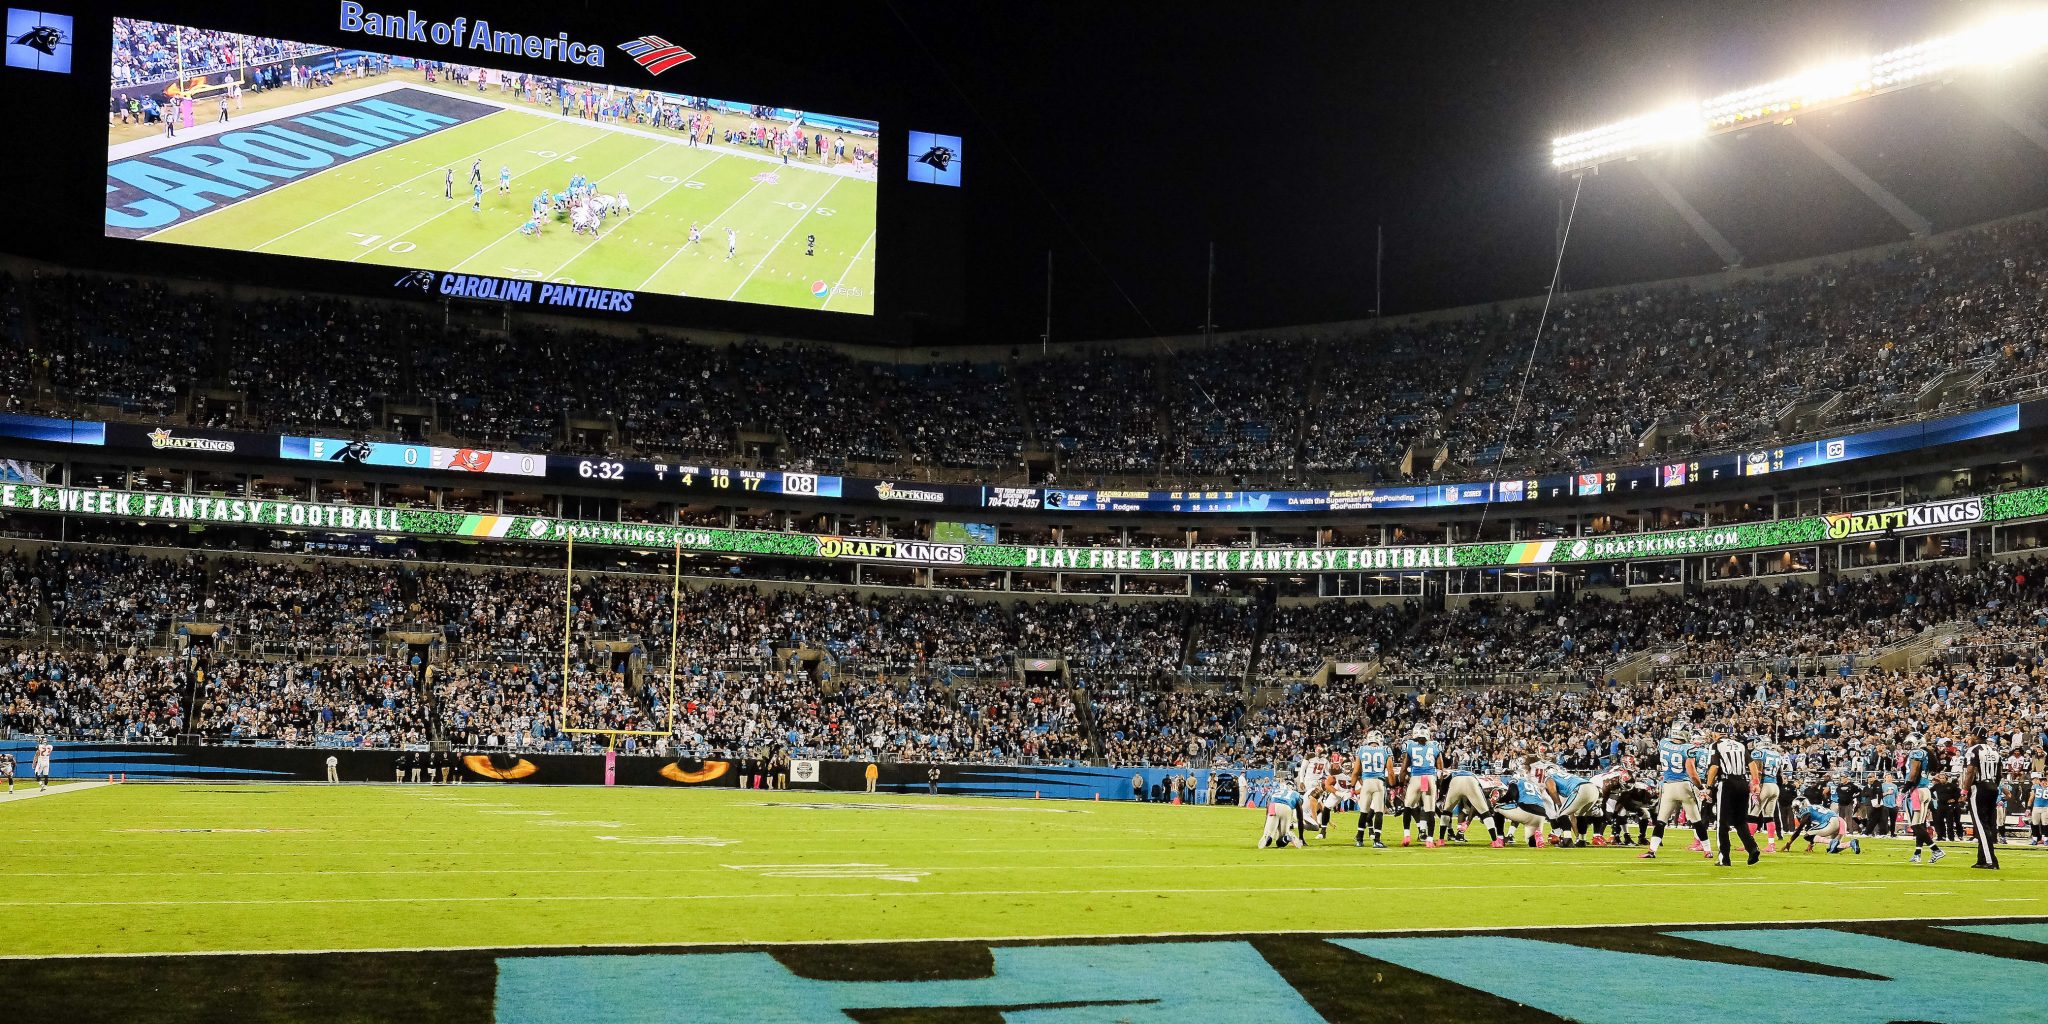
x=679, y=249
x=849, y=269
x=798, y=222
x=458, y=205
x=380, y=193
x=30, y=792
x=394, y=147
x=623, y=221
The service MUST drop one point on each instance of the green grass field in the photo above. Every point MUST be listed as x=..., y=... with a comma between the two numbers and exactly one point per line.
x=132, y=869
x=525, y=903
x=389, y=208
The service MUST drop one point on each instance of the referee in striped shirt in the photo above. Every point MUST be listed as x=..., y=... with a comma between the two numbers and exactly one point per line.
x=1980, y=788
x=1732, y=774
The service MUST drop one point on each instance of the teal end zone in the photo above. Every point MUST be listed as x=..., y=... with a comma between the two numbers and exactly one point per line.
x=1145, y=983
x=1597, y=986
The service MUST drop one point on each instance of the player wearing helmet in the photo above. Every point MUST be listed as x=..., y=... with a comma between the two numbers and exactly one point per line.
x=1371, y=784
x=1919, y=798
x=1678, y=791
x=1419, y=762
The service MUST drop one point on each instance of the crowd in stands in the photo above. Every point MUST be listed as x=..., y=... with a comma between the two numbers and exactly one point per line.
x=148, y=51
x=1711, y=368
x=101, y=643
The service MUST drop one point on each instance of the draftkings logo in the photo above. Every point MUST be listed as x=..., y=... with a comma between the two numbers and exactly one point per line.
x=162, y=439
x=656, y=54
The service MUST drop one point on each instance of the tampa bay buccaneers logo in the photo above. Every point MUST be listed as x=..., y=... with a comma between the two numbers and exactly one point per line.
x=469, y=460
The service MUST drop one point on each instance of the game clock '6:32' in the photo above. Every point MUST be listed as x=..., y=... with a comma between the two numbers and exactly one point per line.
x=595, y=470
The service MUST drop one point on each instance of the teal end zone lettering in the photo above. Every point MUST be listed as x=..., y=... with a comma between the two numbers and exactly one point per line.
x=1600, y=986
x=227, y=166
x=337, y=148
x=2020, y=932
x=186, y=190
x=277, y=149
x=141, y=214
x=358, y=122
x=1145, y=983
x=423, y=121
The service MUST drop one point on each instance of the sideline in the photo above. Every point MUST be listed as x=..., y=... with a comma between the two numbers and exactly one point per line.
x=30, y=792
x=1937, y=920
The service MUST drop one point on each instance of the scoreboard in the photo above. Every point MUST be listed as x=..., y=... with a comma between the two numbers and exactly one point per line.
x=304, y=145
x=701, y=481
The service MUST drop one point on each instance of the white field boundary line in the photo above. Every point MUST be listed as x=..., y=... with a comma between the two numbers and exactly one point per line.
x=845, y=170
x=644, y=947
x=849, y=269
x=493, y=243
x=203, y=130
x=29, y=792
x=1838, y=886
x=773, y=249
x=898, y=894
x=623, y=221
x=381, y=193
x=681, y=248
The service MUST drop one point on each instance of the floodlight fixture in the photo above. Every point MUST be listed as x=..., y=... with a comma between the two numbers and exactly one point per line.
x=1997, y=43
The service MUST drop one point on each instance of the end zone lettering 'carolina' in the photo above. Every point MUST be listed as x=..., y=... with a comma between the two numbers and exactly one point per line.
x=155, y=190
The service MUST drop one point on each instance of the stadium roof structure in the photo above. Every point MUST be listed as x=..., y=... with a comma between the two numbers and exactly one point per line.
x=1837, y=167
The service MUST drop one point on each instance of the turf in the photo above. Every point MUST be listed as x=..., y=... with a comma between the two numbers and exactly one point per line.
x=133, y=868
x=390, y=208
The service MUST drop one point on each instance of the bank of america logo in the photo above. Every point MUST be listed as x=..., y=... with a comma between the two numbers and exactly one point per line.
x=656, y=54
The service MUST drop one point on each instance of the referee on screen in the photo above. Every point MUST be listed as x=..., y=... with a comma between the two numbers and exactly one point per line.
x=1732, y=774
x=1980, y=788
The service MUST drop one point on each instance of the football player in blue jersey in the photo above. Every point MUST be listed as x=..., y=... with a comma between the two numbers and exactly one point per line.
x=1772, y=764
x=1283, y=818
x=1419, y=764
x=1678, y=765
x=1370, y=787
x=1815, y=823
x=1525, y=803
x=2037, y=812
x=1920, y=798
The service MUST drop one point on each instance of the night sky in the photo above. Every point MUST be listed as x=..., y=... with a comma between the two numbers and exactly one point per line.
x=1126, y=136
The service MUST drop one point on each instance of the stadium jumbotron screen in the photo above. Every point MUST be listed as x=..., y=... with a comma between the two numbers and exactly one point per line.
x=300, y=149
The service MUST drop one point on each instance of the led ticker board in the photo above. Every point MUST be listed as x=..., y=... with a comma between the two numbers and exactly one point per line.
x=696, y=480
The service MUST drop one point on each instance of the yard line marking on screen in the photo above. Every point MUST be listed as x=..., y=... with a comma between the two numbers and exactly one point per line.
x=793, y=225
x=406, y=181
x=458, y=205
x=849, y=269
x=679, y=249
x=623, y=221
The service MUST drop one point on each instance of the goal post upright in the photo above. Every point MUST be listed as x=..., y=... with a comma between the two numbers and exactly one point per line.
x=675, y=626
x=568, y=619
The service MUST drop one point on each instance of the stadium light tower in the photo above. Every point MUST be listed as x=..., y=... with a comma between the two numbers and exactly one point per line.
x=1998, y=42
